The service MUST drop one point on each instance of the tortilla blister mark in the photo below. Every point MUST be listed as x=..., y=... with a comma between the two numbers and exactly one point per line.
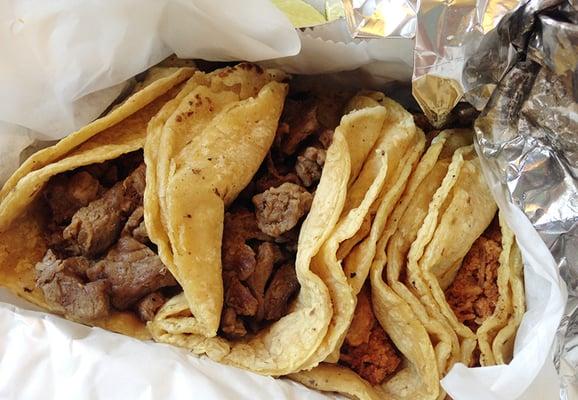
x=131, y=106
x=407, y=220
x=460, y=211
x=503, y=344
x=21, y=217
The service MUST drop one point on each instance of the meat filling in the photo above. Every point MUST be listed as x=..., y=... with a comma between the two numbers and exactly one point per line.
x=97, y=226
x=99, y=256
x=262, y=226
x=474, y=292
x=367, y=349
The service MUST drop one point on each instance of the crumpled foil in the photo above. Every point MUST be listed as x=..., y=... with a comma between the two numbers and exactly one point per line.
x=529, y=132
x=516, y=61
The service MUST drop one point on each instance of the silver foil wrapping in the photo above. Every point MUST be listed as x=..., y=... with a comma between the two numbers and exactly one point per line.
x=517, y=63
x=529, y=133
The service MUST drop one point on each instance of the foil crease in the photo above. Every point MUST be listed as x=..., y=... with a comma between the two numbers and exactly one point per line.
x=529, y=133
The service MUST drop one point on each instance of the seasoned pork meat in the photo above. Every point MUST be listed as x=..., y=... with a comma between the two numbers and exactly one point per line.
x=367, y=349
x=474, y=292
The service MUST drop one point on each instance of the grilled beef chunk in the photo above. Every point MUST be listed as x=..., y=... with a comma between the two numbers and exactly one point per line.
x=367, y=349
x=280, y=209
x=66, y=195
x=135, y=226
x=240, y=299
x=130, y=274
x=133, y=270
x=231, y=325
x=474, y=292
x=97, y=226
x=310, y=165
x=299, y=122
x=64, y=288
x=148, y=306
x=283, y=285
x=262, y=227
x=246, y=272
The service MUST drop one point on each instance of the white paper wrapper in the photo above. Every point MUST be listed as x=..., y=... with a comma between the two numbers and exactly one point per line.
x=61, y=53
x=46, y=357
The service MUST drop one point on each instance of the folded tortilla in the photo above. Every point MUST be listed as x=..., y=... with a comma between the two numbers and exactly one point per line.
x=22, y=241
x=181, y=320
x=403, y=143
x=421, y=245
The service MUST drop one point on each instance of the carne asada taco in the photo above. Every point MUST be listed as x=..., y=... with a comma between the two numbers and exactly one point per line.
x=265, y=238
x=67, y=204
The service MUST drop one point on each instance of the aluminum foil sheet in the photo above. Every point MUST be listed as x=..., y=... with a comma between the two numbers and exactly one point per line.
x=529, y=130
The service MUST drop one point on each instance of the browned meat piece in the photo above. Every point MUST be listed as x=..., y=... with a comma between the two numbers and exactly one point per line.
x=239, y=297
x=238, y=257
x=242, y=224
x=326, y=137
x=96, y=227
x=135, y=226
x=373, y=361
x=367, y=349
x=310, y=165
x=133, y=271
x=240, y=227
x=148, y=306
x=66, y=291
x=67, y=195
x=301, y=117
x=270, y=181
x=268, y=254
x=279, y=209
x=278, y=173
x=283, y=286
x=474, y=292
x=231, y=325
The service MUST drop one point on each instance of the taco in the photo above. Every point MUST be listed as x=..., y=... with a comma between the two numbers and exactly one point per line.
x=364, y=361
x=80, y=205
x=479, y=295
x=263, y=234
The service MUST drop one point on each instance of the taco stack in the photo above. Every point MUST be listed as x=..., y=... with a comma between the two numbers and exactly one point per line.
x=281, y=230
